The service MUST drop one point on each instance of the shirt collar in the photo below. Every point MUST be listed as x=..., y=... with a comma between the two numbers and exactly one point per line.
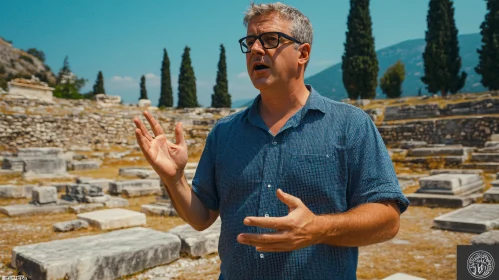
x=314, y=102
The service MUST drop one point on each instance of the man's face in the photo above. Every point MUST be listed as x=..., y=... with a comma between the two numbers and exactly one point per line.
x=281, y=63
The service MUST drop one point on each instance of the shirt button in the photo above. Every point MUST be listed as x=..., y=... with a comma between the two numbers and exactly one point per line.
x=266, y=215
x=274, y=143
x=269, y=186
x=261, y=256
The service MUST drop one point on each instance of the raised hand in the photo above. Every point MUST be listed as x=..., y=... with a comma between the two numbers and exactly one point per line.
x=168, y=159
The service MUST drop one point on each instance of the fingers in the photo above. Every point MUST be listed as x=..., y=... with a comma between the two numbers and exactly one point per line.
x=143, y=142
x=291, y=201
x=265, y=222
x=259, y=239
x=179, y=133
x=156, y=128
x=143, y=129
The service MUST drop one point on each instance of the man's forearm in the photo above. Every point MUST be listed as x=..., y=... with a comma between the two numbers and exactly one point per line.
x=365, y=225
x=187, y=204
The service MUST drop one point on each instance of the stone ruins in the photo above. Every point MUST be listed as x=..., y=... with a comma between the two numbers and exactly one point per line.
x=30, y=89
x=80, y=158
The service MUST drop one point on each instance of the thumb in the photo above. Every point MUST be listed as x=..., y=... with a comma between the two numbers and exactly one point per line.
x=291, y=201
x=179, y=134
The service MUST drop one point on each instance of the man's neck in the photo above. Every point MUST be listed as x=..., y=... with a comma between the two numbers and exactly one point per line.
x=277, y=106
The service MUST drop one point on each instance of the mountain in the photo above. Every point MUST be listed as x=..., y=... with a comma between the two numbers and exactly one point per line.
x=329, y=81
x=16, y=63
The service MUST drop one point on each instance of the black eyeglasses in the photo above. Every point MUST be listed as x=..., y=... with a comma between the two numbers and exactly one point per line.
x=269, y=40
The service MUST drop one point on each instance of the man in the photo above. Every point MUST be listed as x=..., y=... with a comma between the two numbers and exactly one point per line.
x=299, y=181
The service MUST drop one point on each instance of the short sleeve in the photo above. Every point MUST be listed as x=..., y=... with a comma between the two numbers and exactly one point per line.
x=204, y=182
x=371, y=174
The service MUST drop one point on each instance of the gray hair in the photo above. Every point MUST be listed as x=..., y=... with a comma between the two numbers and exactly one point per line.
x=301, y=28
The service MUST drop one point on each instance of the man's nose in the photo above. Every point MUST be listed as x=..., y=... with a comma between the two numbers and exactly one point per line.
x=257, y=48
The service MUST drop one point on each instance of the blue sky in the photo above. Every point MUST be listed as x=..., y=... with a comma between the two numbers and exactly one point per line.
x=125, y=38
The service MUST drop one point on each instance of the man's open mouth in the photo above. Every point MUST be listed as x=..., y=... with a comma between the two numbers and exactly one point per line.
x=261, y=67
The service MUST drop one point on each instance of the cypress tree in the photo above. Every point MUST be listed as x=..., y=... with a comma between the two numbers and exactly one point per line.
x=391, y=82
x=488, y=63
x=166, y=94
x=143, y=91
x=221, y=97
x=360, y=63
x=65, y=70
x=187, y=83
x=442, y=61
x=99, y=84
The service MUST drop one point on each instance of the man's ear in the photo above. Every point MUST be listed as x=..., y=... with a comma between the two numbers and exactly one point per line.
x=304, y=50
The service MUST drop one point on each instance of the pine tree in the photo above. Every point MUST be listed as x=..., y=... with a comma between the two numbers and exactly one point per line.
x=360, y=63
x=99, y=84
x=166, y=94
x=187, y=83
x=391, y=82
x=221, y=98
x=442, y=61
x=143, y=91
x=64, y=71
x=488, y=65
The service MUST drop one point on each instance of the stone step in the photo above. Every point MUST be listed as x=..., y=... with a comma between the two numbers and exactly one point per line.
x=189, y=173
x=110, y=219
x=103, y=256
x=198, y=243
x=448, y=181
x=103, y=183
x=39, y=152
x=476, y=218
x=439, y=151
x=461, y=190
x=456, y=171
x=425, y=160
x=12, y=191
x=486, y=166
x=485, y=157
x=495, y=184
x=442, y=200
x=133, y=171
x=492, y=195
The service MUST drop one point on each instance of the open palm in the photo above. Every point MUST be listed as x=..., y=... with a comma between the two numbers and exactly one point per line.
x=168, y=159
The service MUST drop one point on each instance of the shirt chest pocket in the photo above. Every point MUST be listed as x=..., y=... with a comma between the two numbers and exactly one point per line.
x=317, y=179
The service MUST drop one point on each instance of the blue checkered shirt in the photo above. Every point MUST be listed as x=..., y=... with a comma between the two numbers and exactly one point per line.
x=329, y=154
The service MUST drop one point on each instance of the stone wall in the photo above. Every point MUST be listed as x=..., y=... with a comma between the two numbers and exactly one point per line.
x=433, y=110
x=83, y=123
x=468, y=131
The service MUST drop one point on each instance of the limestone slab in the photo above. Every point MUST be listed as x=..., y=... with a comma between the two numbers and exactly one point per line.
x=117, y=187
x=116, y=202
x=109, y=219
x=491, y=195
x=70, y=225
x=442, y=200
x=39, y=152
x=476, y=218
x=402, y=276
x=486, y=166
x=83, y=165
x=439, y=151
x=103, y=183
x=104, y=256
x=11, y=191
x=447, y=181
x=132, y=171
x=485, y=157
x=456, y=171
x=159, y=209
x=141, y=191
x=85, y=207
x=44, y=165
x=44, y=195
x=495, y=184
x=198, y=243
x=31, y=209
x=486, y=238
x=461, y=190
